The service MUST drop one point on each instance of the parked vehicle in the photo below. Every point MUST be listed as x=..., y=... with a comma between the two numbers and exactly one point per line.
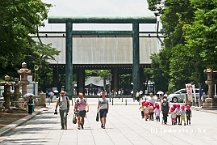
x=180, y=95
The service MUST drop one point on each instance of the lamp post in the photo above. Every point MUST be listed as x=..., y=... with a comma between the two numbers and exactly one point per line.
x=159, y=7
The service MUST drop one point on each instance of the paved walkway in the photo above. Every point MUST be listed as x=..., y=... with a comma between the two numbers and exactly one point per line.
x=124, y=127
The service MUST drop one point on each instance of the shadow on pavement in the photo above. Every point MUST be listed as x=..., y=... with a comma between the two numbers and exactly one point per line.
x=38, y=141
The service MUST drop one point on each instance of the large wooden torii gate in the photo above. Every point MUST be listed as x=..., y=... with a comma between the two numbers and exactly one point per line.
x=135, y=37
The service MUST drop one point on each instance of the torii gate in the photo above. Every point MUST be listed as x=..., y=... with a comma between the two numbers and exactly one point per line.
x=135, y=36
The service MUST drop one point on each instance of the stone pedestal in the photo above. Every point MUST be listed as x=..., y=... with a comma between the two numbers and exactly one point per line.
x=210, y=103
x=42, y=99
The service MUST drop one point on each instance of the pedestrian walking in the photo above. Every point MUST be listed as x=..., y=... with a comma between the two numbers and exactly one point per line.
x=178, y=114
x=82, y=108
x=141, y=108
x=63, y=103
x=157, y=112
x=188, y=114
x=151, y=111
x=146, y=111
x=30, y=104
x=183, y=113
x=102, y=108
x=51, y=95
x=173, y=115
x=165, y=109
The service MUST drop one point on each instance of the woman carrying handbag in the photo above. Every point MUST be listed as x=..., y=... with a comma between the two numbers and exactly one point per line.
x=102, y=109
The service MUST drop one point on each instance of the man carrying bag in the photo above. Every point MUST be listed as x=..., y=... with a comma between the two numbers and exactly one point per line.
x=63, y=103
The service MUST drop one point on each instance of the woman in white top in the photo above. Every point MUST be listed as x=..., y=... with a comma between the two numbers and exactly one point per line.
x=102, y=108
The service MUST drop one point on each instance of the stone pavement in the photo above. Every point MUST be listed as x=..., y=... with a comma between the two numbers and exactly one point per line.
x=124, y=127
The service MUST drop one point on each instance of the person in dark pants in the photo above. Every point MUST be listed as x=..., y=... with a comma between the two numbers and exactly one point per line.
x=102, y=108
x=30, y=104
x=165, y=109
x=63, y=103
x=188, y=114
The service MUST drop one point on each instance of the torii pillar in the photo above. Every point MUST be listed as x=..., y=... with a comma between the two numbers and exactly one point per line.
x=136, y=69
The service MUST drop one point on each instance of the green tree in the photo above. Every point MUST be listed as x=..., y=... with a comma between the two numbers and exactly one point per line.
x=190, y=45
x=158, y=75
x=18, y=20
x=201, y=35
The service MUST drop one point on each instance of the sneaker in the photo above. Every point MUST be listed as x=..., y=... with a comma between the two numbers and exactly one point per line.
x=101, y=125
x=82, y=126
x=78, y=127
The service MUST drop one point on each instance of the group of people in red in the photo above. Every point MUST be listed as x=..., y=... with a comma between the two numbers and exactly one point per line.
x=180, y=114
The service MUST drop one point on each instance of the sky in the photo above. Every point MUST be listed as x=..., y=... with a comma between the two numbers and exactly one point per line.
x=97, y=8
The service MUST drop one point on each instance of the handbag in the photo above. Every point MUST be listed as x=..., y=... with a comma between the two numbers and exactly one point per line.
x=74, y=119
x=97, y=117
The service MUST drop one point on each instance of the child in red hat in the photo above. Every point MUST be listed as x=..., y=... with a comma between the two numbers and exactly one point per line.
x=183, y=113
x=141, y=108
x=188, y=114
x=157, y=112
x=146, y=111
x=151, y=111
x=178, y=114
x=173, y=115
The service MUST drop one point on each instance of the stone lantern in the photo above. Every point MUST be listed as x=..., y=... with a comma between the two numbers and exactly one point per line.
x=7, y=93
x=24, y=72
x=210, y=102
x=17, y=93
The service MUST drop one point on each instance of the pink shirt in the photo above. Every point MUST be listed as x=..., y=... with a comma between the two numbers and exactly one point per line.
x=81, y=104
x=157, y=112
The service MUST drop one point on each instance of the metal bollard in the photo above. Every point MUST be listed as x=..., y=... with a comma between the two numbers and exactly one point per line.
x=122, y=99
x=125, y=101
x=112, y=101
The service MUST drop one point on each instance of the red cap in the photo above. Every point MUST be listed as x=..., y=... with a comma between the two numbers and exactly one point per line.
x=146, y=104
x=188, y=107
x=178, y=106
x=143, y=103
x=172, y=109
x=183, y=107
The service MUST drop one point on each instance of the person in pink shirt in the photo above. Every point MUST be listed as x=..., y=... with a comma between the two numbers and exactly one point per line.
x=81, y=107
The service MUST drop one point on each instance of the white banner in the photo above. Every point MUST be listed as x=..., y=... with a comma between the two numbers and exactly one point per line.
x=189, y=92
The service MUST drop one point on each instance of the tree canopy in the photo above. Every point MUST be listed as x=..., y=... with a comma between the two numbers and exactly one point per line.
x=19, y=19
x=190, y=42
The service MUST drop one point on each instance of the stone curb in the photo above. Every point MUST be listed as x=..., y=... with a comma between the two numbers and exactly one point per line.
x=204, y=110
x=19, y=122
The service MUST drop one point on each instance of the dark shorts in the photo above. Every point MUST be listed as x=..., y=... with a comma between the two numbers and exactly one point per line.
x=82, y=113
x=103, y=112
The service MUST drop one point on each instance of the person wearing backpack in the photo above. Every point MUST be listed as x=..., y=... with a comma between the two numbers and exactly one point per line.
x=63, y=103
x=165, y=109
x=81, y=107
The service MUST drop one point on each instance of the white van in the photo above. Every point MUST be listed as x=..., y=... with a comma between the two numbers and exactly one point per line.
x=180, y=95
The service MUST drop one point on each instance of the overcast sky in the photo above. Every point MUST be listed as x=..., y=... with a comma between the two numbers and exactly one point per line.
x=97, y=8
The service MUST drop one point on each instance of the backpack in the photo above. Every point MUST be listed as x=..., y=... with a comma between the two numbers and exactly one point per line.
x=67, y=99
